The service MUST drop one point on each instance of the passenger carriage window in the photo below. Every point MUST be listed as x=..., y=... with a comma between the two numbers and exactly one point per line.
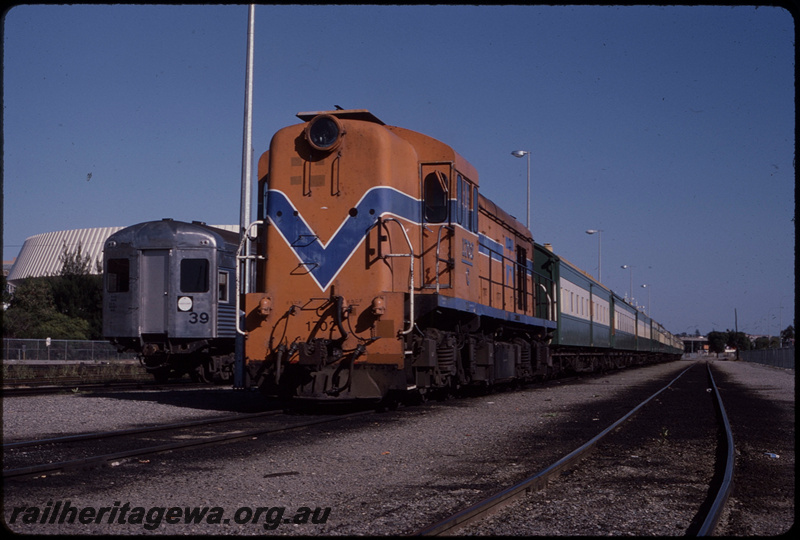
x=118, y=275
x=223, y=286
x=194, y=275
x=435, y=187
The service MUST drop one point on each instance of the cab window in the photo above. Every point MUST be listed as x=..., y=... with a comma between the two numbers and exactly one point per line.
x=435, y=187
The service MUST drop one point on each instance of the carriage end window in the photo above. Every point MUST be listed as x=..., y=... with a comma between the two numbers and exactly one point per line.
x=194, y=275
x=118, y=275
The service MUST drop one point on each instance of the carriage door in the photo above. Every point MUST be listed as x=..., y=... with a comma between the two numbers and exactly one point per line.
x=153, y=289
x=437, y=233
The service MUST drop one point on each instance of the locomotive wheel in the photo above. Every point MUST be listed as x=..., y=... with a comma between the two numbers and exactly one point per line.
x=161, y=375
x=222, y=377
x=414, y=397
x=203, y=371
x=388, y=403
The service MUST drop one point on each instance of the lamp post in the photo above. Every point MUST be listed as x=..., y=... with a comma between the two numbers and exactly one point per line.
x=630, y=271
x=519, y=154
x=599, y=252
x=649, y=313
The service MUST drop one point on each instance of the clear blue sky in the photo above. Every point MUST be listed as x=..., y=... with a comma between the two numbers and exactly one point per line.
x=669, y=128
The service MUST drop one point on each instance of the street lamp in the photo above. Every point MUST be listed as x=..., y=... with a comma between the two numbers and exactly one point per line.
x=649, y=313
x=599, y=252
x=630, y=271
x=519, y=154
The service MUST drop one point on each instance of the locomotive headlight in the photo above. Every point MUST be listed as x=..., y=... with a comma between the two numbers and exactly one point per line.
x=378, y=306
x=265, y=307
x=324, y=132
x=185, y=303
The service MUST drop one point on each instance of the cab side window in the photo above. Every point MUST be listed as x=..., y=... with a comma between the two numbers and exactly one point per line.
x=467, y=204
x=435, y=192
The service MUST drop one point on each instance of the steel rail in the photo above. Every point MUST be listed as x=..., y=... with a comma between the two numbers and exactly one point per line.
x=95, y=460
x=726, y=486
x=532, y=483
x=135, y=431
x=21, y=387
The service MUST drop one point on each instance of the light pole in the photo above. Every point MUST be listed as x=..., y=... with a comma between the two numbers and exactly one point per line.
x=630, y=271
x=649, y=313
x=519, y=154
x=599, y=252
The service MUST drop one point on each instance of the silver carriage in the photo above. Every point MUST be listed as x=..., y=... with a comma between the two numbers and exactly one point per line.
x=168, y=294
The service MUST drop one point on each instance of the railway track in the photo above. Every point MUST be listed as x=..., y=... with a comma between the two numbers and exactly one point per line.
x=708, y=511
x=12, y=388
x=36, y=458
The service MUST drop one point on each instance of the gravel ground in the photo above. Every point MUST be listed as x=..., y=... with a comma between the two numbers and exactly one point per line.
x=647, y=478
x=389, y=473
x=38, y=417
x=760, y=403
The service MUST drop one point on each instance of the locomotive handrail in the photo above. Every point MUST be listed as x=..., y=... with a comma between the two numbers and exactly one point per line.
x=410, y=255
x=439, y=259
x=551, y=312
x=245, y=235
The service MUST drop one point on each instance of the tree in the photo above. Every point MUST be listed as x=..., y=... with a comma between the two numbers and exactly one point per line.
x=762, y=342
x=6, y=294
x=66, y=306
x=739, y=341
x=77, y=293
x=717, y=341
x=32, y=314
x=787, y=335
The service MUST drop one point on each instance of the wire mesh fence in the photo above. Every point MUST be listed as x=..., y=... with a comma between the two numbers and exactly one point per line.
x=783, y=358
x=62, y=350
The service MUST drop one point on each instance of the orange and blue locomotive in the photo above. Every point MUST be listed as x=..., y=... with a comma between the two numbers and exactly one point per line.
x=382, y=271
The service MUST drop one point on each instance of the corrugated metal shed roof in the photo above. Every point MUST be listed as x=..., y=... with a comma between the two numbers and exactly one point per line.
x=41, y=254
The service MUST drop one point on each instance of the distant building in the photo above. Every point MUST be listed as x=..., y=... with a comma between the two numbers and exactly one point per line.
x=695, y=344
x=41, y=254
x=7, y=266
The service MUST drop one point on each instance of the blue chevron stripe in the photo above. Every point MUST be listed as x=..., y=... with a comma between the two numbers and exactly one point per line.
x=323, y=261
